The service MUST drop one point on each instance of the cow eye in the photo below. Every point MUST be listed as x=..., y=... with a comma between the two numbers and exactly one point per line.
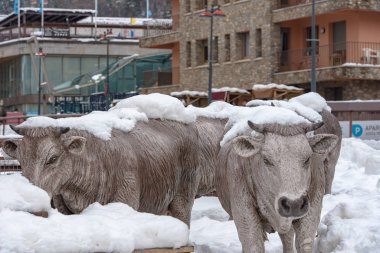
x=267, y=162
x=307, y=162
x=52, y=159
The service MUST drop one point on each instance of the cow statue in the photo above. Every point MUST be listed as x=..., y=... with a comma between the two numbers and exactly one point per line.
x=152, y=168
x=211, y=131
x=274, y=181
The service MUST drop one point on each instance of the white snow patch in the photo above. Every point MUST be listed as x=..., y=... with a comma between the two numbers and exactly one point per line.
x=158, y=106
x=274, y=86
x=188, y=93
x=259, y=115
x=230, y=89
x=216, y=110
x=98, y=123
x=114, y=227
x=312, y=100
x=17, y=194
x=361, y=65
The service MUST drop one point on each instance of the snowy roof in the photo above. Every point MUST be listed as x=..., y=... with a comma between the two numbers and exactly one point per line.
x=274, y=85
x=122, y=21
x=230, y=89
x=58, y=10
x=188, y=93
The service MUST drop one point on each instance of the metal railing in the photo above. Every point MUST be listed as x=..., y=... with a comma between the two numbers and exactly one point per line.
x=355, y=53
x=289, y=3
x=157, y=27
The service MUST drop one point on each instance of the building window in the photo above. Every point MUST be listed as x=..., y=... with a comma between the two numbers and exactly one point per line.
x=242, y=45
x=200, y=4
x=227, y=47
x=188, y=54
x=202, y=51
x=187, y=6
x=259, y=43
x=333, y=93
x=215, y=50
x=308, y=40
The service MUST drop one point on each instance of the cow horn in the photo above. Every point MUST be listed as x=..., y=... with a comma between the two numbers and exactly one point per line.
x=272, y=104
x=64, y=130
x=257, y=127
x=17, y=130
x=314, y=126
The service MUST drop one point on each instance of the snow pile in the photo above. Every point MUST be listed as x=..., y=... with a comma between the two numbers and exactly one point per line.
x=114, y=227
x=274, y=86
x=188, y=93
x=350, y=220
x=259, y=115
x=18, y=194
x=216, y=110
x=98, y=123
x=312, y=100
x=158, y=106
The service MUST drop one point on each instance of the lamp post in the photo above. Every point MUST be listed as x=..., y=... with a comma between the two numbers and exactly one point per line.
x=210, y=13
x=40, y=54
x=106, y=38
x=313, y=49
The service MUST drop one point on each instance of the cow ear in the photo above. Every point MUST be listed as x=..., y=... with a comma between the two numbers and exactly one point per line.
x=246, y=146
x=75, y=144
x=10, y=147
x=323, y=143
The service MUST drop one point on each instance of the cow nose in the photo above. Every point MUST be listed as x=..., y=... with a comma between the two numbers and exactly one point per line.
x=293, y=208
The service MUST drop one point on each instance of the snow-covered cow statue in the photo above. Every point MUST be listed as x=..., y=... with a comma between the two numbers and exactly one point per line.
x=274, y=181
x=152, y=168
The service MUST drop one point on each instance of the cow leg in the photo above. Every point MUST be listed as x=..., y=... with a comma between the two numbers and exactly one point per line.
x=58, y=202
x=288, y=241
x=306, y=228
x=247, y=220
x=180, y=208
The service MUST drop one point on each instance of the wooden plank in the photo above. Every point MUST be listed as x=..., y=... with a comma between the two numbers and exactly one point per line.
x=167, y=250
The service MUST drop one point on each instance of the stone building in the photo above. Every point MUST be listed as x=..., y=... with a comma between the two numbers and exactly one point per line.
x=268, y=41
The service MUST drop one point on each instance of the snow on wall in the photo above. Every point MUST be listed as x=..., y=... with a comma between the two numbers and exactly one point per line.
x=188, y=93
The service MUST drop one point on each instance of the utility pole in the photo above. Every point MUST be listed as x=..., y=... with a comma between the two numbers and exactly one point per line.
x=313, y=49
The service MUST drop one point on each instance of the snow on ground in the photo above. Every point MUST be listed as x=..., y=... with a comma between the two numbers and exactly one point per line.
x=350, y=220
x=111, y=228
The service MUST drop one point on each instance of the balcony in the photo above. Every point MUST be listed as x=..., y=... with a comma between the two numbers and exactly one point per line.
x=159, y=33
x=348, y=60
x=348, y=53
x=297, y=9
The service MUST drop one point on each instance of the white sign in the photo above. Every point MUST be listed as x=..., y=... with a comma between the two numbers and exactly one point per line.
x=366, y=130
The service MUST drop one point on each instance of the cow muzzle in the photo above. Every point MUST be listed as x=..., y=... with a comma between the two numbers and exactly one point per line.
x=293, y=208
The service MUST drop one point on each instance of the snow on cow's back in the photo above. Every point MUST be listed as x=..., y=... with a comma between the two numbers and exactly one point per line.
x=312, y=100
x=158, y=106
x=123, y=116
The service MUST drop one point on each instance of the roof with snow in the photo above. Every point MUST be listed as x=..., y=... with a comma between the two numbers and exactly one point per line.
x=51, y=15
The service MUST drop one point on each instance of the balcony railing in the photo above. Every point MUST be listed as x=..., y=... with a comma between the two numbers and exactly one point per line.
x=156, y=27
x=348, y=53
x=289, y=3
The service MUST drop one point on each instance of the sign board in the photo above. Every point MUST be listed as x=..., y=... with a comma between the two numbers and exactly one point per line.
x=366, y=129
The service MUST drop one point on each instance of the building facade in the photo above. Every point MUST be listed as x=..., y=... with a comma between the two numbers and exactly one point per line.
x=72, y=48
x=268, y=41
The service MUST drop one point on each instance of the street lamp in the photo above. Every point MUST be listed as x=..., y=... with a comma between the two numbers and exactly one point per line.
x=313, y=49
x=106, y=38
x=212, y=12
x=40, y=54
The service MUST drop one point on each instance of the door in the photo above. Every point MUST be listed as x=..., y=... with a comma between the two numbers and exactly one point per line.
x=284, y=46
x=339, y=42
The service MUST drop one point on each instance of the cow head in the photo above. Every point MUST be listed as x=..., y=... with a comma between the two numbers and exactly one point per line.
x=46, y=155
x=282, y=158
